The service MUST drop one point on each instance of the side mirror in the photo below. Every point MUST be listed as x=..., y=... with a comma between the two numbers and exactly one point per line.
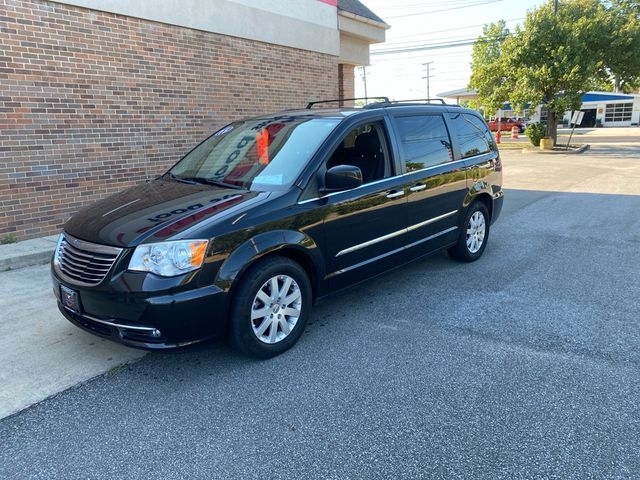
x=342, y=177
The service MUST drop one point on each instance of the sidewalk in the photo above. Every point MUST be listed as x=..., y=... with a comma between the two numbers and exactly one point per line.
x=36, y=251
x=41, y=353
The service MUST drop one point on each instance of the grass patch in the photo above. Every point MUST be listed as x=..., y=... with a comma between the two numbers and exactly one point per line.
x=7, y=239
x=117, y=370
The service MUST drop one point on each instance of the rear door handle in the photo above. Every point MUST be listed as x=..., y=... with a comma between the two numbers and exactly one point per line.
x=418, y=188
x=395, y=194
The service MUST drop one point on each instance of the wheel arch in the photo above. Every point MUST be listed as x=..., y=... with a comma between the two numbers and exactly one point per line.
x=294, y=245
x=484, y=197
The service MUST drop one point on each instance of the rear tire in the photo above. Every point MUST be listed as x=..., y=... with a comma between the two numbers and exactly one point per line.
x=474, y=235
x=270, y=309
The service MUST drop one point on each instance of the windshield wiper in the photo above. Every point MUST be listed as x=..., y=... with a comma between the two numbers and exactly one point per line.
x=202, y=180
x=210, y=181
x=181, y=179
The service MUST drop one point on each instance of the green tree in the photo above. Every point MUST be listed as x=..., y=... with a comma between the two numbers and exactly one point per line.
x=629, y=6
x=487, y=68
x=621, y=54
x=554, y=59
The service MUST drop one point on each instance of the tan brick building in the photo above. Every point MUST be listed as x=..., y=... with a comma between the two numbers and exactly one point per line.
x=96, y=95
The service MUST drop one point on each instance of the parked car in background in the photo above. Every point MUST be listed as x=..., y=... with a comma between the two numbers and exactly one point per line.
x=268, y=215
x=506, y=124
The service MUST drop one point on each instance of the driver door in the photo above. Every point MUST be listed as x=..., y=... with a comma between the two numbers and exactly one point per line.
x=365, y=227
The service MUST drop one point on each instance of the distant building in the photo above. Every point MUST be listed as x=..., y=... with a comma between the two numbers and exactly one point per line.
x=610, y=109
x=600, y=108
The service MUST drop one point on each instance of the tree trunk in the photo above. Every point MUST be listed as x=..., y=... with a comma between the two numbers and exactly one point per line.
x=552, y=126
x=617, y=87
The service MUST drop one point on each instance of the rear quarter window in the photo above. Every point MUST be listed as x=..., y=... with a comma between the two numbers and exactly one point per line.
x=472, y=135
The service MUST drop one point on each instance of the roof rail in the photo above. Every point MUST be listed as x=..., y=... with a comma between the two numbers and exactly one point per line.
x=384, y=100
x=425, y=100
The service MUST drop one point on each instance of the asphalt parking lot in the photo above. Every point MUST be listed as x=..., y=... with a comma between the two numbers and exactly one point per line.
x=523, y=365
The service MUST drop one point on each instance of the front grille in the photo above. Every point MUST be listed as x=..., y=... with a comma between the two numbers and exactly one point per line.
x=84, y=263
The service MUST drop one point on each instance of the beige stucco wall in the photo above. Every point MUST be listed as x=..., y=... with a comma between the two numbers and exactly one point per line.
x=305, y=24
x=356, y=34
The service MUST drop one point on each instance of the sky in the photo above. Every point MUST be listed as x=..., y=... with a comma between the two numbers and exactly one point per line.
x=416, y=23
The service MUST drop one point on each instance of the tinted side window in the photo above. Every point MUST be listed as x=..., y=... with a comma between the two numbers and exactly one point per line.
x=424, y=141
x=473, y=136
x=364, y=147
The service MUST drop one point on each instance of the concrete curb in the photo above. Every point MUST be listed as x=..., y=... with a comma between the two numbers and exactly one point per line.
x=571, y=151
x=511, y=146
x=36, y=251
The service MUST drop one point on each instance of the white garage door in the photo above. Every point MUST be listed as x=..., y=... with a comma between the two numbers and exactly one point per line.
x=618, y=114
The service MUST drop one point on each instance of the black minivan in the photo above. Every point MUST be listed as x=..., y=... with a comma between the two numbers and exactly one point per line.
x=270, y=214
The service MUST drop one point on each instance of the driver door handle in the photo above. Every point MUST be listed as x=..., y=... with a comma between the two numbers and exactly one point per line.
x=395, y=194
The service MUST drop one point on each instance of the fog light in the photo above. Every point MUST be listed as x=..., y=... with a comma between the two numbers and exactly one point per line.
x=156, y=333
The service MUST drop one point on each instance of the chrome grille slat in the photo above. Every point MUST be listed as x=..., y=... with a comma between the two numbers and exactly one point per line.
x=87, y=265
x=81, y=272
x=78, y=252
x=84, y=263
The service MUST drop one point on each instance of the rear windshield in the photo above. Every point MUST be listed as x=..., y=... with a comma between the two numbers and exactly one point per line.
x=262, y=154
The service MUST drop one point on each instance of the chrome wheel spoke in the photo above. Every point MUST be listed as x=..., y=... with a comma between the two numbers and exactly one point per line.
x=274, y=288
x=285, y=326
x=291, y=312
x=263, y=297
x=263, y=327
x=285, y=287
x=261, y=313
x=273, y=333
x=291, y=298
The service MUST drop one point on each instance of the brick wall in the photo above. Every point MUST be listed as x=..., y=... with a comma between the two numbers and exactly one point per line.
x=92, y=102
x=346, y=81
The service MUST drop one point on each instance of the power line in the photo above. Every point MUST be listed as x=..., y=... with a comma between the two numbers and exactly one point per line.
x=421, y=48
x=400, y=58
x=422, y=5
x=485, y=2
x=465, y=27
x=413, y=43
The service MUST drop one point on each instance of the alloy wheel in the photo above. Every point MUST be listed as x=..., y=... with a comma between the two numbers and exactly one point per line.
x=276, y=309
x=476, y=230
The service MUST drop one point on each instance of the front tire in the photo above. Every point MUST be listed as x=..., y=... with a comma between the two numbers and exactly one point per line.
x=474, y=235
x=270, y=308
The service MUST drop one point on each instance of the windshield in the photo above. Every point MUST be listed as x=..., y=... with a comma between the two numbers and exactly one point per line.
x=261, y=154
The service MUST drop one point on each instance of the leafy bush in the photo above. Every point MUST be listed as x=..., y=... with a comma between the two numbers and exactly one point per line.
x=535, y=132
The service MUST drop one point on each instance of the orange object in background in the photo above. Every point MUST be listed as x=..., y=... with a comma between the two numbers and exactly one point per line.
x=498, y=136
x=262, y=146
x=515, y=132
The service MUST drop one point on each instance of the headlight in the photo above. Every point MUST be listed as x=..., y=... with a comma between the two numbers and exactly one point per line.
x=169, y=259
x=56, y=253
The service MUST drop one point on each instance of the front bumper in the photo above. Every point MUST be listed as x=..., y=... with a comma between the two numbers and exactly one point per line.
x=154, y=321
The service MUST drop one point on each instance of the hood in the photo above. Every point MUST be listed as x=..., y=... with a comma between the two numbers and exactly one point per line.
x=153, y=211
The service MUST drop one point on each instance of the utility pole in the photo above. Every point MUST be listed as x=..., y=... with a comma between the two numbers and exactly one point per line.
x=427, y=77
x=364, y=79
